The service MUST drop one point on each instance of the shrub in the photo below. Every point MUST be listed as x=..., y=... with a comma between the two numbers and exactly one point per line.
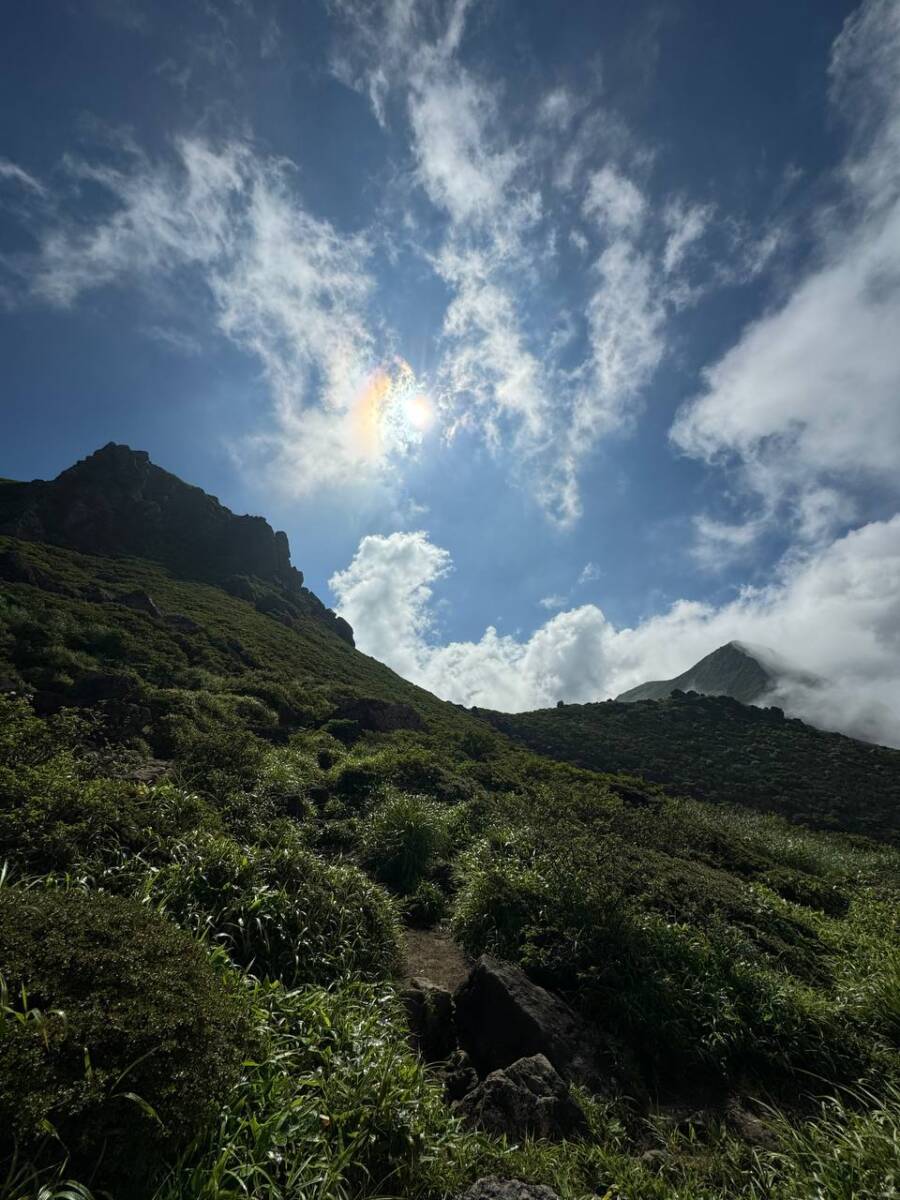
x=280, y=911
x=116, y=1033
x=403, y=837
x=344, y=730
x=689, y=992
x=426, y=906
x=52, y=822
x=226, y=759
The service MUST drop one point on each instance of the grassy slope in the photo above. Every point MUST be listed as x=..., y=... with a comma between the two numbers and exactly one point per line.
x=710, y=944
x=236, y=650
x=713, y=748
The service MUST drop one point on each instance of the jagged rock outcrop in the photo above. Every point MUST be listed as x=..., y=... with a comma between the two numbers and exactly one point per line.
x=492, y=1188
x=117, y=503
x=502, y=1016
x=527, y=1098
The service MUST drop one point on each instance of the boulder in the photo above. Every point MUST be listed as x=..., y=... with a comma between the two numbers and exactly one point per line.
x=527, y=1097
x=501, y=1016
x=492, y=1188
x=429, y=1011
x=141, y=602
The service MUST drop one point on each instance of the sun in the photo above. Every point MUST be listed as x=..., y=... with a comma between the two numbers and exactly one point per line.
x=393, y=411
x=417, y=410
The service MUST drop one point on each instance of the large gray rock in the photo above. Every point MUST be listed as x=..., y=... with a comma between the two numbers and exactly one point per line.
x=492, y=1188
x=527, y=1097
x=501, y=1016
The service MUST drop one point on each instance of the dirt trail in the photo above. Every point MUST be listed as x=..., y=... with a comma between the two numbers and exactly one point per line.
x=433, y=954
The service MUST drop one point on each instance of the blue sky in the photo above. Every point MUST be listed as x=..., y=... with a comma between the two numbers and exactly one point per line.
x=560, y=339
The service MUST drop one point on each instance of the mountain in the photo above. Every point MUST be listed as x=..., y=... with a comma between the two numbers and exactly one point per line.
x=117, y=503
x=225, y=825
x=737, y=670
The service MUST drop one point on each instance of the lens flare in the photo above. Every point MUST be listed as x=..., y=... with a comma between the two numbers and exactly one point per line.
x=392, y=413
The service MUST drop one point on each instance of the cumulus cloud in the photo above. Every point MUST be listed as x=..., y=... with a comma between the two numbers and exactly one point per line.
x=806, y=404
x=226, y=226
x=835, y=614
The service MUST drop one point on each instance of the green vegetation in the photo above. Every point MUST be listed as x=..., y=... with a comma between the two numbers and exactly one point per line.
x=191, y=832
x=117, y=1040
x=713, y=748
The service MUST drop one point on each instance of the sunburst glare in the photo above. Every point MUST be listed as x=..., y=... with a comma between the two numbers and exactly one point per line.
x=393, y=412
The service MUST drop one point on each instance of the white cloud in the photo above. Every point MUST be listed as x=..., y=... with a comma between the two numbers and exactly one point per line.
x=686, y=223
x=835, y=614
x=807, y=402
x=590, y=573
x=614, y=202
x=626, y=322
x=458, y=168
x=503, y=370
x=558, y=108
x=553, y=601
x=225, y=226
x=15, y=174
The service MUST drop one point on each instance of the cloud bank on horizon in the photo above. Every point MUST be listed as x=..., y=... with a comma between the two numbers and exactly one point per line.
x=834, y=613
x=571, y=280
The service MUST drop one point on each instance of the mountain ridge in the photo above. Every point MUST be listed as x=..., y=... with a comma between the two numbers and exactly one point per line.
x=117, y=503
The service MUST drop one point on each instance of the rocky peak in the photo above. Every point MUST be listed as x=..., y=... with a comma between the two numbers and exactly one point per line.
x=744, y=672
x=117, y=503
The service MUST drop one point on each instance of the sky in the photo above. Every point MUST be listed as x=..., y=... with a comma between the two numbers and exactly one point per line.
x=562, y=340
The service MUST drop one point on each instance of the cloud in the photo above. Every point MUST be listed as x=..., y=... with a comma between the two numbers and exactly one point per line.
x=614, y=201
x=686, y=224
x=13, y=173
x=806, y=404
x=461, y=172
x=501, y=210
x=554, y=601
x=224, y=225
x=590, y=573
x=835, y=613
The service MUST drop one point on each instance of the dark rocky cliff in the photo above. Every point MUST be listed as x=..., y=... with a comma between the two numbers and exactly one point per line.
x=117, y=503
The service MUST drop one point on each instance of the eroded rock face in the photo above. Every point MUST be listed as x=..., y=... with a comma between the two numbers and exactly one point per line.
x=501, y=1016
x=526, y=1098
x=492, y=1188
x=117, y=503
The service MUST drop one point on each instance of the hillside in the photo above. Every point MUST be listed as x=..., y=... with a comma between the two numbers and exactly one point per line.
x=715, y=749
x=225, y=825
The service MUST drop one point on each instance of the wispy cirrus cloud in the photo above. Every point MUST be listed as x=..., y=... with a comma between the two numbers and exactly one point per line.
x=490, y=172
x=805, y=406
x=224, y=224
